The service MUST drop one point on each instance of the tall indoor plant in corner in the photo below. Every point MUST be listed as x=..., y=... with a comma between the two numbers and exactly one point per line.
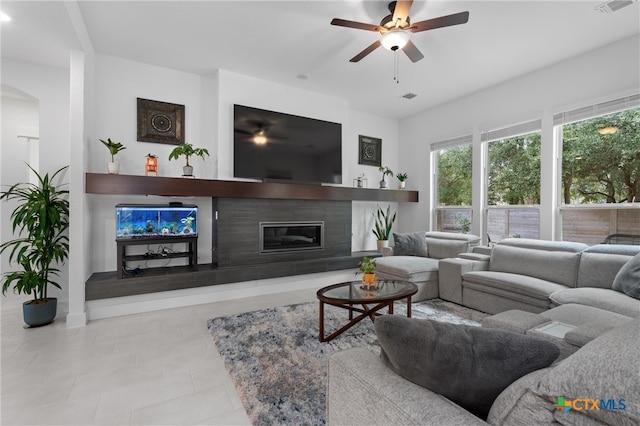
x=382, y=229
x=40, y=222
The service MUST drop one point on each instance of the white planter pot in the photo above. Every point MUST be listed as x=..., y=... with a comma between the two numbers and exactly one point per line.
x=187, y=171
x=402, y=185
x=114, y=168
x=382, y=244
x=383, y=184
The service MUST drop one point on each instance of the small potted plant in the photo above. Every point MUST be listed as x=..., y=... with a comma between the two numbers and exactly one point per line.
x=367, y=268
x=187, y=150
x=385, y=172
x=114, y=148
x=402, y=177
x=383, y=223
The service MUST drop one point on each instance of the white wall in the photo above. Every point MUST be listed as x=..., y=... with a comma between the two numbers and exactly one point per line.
x=386, y=129
x=606, y=73
x=51, y=87
x=118, y=84
x=18, y=115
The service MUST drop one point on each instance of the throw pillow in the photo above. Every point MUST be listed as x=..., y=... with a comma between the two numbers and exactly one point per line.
x=413, y=244
x=469, y=365
x=627, y=279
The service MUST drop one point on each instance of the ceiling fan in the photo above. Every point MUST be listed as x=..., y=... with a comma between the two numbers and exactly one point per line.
x=396, y=29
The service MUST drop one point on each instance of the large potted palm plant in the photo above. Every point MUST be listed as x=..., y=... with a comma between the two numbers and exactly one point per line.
x=40, y=223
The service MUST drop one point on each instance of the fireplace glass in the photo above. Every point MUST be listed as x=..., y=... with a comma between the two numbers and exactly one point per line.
x=278, y=237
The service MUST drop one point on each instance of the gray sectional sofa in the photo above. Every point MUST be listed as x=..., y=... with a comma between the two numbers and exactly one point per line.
x=529, y=286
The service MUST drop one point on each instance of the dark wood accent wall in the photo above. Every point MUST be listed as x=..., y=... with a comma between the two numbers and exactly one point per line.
x=237, y=229
x=97, y=183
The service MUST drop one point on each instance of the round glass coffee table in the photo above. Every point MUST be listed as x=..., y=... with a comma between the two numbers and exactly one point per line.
x=346, y=295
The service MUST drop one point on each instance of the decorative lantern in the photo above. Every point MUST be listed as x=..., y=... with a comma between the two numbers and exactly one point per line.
x=151, y=165
x=360, y=182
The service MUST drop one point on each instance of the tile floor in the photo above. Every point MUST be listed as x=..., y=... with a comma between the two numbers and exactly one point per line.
x=154, y=368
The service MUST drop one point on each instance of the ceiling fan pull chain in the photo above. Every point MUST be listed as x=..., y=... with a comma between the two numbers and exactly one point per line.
x=396, y=66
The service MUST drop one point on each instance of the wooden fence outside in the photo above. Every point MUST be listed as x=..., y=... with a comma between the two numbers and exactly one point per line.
x=589, y=226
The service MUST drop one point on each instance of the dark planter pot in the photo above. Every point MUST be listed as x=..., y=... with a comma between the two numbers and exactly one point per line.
x=41, y=313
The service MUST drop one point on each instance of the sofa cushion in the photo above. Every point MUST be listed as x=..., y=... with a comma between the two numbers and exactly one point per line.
x=609, y=300
x=555, y=266
x=499, y=282
x=599, y=269
x=407, y=268
x=467, y=364
x=604, y=369
x=627, y=280
x=590, y=322
x=441, y=249
x=412, y=244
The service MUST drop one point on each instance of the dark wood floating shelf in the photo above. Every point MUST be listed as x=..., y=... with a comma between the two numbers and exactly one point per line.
x=98, y=183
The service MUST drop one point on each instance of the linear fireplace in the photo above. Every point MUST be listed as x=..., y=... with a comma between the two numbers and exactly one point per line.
x=278, y=237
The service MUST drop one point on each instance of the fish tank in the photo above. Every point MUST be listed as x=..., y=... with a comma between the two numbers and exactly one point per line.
x=156, y=221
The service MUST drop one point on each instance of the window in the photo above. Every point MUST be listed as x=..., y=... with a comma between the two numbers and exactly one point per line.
x=513, y=179
x=601, y=159
x=453, y=184
x=600, y=179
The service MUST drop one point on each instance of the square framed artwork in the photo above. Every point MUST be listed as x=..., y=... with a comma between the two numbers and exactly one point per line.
x=369, y=151
x=160, y=122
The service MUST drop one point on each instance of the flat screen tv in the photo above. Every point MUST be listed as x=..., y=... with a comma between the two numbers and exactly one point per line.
x=278, y=147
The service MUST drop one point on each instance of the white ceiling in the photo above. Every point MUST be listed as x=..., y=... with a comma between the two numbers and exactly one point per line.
x=278, y=40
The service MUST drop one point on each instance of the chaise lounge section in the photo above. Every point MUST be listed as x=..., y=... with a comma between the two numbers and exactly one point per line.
x=416, y=257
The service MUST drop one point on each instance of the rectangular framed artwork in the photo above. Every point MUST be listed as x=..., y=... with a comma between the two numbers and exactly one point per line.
x=160, y=122
x=369, y=151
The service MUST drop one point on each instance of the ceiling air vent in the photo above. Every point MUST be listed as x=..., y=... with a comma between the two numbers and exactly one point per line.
x=614, y=5
x=409, y=95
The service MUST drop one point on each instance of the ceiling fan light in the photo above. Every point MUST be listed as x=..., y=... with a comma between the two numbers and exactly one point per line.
x=260, y=138
x=394, y=40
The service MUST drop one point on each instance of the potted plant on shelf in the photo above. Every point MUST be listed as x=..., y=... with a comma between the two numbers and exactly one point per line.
x=41, y=220
x=385, y=172
x=382, y=229
x=402, y=177
x=187, y=150
x=367, y=268
x=114, y=148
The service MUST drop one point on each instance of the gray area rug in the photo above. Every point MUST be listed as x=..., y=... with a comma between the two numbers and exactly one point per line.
x=279, y=366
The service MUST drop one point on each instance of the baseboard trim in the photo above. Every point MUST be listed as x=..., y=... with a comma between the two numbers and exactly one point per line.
x=127, y=305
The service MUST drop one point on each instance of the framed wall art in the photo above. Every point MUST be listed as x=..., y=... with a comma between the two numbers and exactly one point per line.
x=160, y=122
x=369, y=151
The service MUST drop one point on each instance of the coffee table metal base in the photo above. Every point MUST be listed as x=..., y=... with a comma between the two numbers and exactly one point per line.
x=365, y=312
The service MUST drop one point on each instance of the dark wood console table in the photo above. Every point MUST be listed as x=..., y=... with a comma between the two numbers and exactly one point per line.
x=191, y=252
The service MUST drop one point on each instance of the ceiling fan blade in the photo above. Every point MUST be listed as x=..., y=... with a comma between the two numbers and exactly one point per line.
x=401, y=12
x=353, y=24
x=443, y=21
x=412, y=51
x=373, y=46
x=242, y=131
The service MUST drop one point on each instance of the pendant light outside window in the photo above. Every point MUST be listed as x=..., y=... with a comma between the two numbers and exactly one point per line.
x=395, y=39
